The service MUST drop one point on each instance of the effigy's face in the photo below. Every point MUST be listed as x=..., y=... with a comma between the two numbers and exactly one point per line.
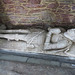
x=37, y=12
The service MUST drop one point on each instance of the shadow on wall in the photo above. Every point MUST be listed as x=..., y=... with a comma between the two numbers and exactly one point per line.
x=4, y=19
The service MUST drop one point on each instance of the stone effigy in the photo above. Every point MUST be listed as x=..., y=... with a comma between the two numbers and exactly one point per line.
x=38, y=40
x=70, y=34
x=55, y=40
x=26, y=40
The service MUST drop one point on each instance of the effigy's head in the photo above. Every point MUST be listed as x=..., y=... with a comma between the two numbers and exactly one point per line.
x=24, y=13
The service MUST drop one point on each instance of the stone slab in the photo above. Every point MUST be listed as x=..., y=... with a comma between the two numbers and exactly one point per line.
x=61, y=59
x=67, y=65
x=13, y=58
x=43, y=62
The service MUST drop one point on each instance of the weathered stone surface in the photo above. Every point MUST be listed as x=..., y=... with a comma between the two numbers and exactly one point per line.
x=48, y=0
x=34, y=5
x=26, y=40
x=66, y=65
x=70, y=34
x=43, y=62
x=16, y=68
x=21, y=9
x=34, y=1
x=8, y=1
x=15, y=31
x=2, y=27
x=13, y=58
x=53, y=5
x=67, y=1
x=55, y=40
x=73, y=8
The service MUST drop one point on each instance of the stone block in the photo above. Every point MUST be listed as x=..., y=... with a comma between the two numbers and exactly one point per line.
x=34, y=1
x=48, y=0
x=8, y=1
x=67, y=65
x=13, y=58
x=33, y=5
x=43, y=62
x=53, y=5
x=73, y=7
x=66, y=1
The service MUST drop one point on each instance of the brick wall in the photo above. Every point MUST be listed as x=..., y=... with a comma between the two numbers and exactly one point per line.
x=34, y=12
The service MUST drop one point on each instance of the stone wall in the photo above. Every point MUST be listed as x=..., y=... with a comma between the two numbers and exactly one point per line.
x=37, y=12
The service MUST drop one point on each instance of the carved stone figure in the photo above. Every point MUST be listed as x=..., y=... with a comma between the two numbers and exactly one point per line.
x=26, y=40
x=37, y=40
x=70, y=34
x=55, y=40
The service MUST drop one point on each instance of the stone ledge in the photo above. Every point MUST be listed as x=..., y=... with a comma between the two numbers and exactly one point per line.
x=43, y=62
x=42, y=59
x=67, y=65
x=13, y=58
